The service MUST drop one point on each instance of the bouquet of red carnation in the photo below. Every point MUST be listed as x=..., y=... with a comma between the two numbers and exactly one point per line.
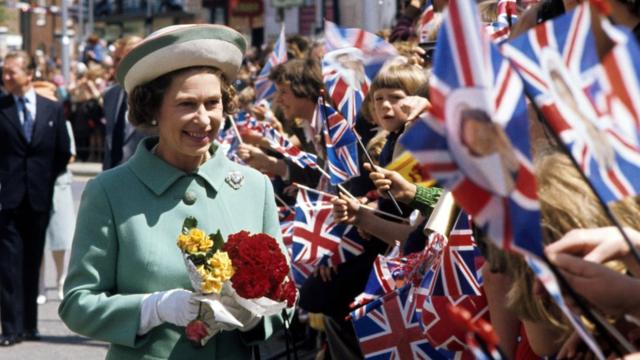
x=260, y=281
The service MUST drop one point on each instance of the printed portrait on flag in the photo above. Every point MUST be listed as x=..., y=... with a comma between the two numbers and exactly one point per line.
x=602, y=88
x=349, y=63
x=576, y=109
x=480, y=143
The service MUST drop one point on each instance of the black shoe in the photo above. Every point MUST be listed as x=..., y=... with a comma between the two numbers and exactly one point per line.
x=9, y=340
x=32, y=335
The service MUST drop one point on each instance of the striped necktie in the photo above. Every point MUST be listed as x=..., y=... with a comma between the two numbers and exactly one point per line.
x=27, y=123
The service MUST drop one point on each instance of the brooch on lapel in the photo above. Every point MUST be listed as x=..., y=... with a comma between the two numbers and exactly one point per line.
x=234, y=179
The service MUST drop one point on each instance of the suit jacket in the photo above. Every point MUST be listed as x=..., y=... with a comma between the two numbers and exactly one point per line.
x=31, y=168
x=125, y=246
x=114, y=99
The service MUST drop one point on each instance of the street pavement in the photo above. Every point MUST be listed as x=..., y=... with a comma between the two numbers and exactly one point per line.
x=60, y=343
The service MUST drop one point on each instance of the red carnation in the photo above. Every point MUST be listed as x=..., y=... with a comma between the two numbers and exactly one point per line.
x=260, y=267
x=286, y=291
x=250, y=284
x=196, y=330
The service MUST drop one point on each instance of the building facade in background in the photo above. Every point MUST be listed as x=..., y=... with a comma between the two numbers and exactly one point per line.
x=37, y=24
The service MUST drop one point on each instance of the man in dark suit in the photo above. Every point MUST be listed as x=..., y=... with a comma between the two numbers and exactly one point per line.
x=34, y=150
x=121, y=137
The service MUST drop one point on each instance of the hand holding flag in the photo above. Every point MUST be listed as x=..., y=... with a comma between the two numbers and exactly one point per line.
x=391, y=182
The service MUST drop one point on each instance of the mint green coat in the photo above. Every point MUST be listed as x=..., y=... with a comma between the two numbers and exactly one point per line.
x=125, y=246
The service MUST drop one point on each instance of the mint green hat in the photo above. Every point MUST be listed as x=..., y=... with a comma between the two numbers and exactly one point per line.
x=182, y=46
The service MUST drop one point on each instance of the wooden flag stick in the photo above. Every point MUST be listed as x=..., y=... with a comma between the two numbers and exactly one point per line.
x=345, y=191
x=364, y=149
x=322, y=172
x=370, y=160
x=279, y=199
x=364, y=206
x=235, y=129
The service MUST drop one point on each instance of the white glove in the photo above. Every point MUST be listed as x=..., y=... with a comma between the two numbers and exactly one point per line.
x=176, y=306
x=246, y=317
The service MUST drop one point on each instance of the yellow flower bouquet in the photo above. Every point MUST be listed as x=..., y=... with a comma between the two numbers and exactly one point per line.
x=208, y=268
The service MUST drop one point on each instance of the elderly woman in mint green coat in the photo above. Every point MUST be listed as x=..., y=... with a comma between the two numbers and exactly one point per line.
x=127, y=282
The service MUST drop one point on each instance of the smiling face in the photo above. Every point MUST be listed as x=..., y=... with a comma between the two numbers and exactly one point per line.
x=292, y=106
x=387, y=104
x=189, y=118
x=15, y=76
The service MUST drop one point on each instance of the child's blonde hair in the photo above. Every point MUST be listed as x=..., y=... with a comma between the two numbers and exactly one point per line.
x=411, y=79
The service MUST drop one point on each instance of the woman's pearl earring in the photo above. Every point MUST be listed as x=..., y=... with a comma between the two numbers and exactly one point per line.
x=154, y=122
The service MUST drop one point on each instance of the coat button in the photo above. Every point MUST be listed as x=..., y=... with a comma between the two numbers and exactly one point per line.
x=189, y=197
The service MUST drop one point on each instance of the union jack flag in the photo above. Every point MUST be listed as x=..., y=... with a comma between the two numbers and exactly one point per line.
x=243, y=118
x=286, y=216
x=353, y=58
x=496, y=187
x=342, y=145
x=300, y=273
x=576, y=93
x=452, y=279
x=229, y=142
x=387, y=329
x=498, y=32
x=507, y=12
x=372, y=45
x=492, y=353
x=344, y=77
x=440, y=329
x=265, y=87
x=385, y=275
x=281, y=144
x=494, y=184
x=425, y=22
x=480, y=337
x=352, y=245
x=247, y=122
x=455, y=272
x=317, y=237
x=507, y=16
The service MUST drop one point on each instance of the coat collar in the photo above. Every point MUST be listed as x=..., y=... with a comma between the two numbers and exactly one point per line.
x=158, y=175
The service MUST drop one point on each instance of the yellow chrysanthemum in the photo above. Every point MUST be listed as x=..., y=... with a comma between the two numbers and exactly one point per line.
x=202, y=271
x=219, y=270
x=183, y=242
x=195, y=241
x=221, y=263
x=186, y=244
x=211, y=285
x=199, y=238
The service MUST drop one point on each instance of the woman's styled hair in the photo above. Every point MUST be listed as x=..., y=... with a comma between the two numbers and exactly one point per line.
x=304, y=77
x=145, y=100
x=411, y=79
x=566, y=203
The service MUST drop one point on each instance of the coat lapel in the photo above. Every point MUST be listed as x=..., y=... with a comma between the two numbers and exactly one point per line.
x=10, y=112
